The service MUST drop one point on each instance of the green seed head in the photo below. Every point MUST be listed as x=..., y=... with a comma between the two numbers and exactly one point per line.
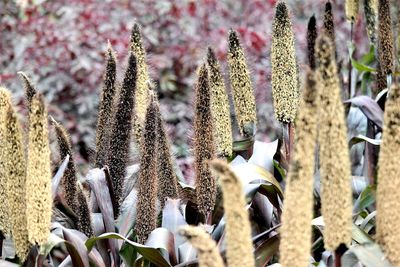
x=38, y=176
x=284, y=77
x=207, y=248
x=219, y=106
x=388, y=221
x=238, y=231
x=334, y=155
x=146, y=217
x=296, y=232
x=105, y=108
x=243, y=95
x=204, y=149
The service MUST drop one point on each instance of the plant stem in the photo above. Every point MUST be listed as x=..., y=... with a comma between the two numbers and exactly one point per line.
x=291, y=139
x=350, y=65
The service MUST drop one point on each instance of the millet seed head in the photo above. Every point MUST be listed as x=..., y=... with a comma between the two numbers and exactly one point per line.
x=385, y=37
x=296, y=231
x=121, y=128
x=142, y=88
x=284, y=75
x=204, y=148
x=237, y=230
x=146, y=217
x=105, y=108
x=16, y=183
x=334, y=155
x=242, y=89
x=84, y=223
x=311, y=38
x=351, y=8
x=207, y=248
x=329, y=24
x=371, y=11
x=5, y=103
x=30, y=89
x=219, y=106
x=38, y=175
x=387, y=220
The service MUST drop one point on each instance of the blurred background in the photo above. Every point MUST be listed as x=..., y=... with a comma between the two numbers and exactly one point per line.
x=60, y=45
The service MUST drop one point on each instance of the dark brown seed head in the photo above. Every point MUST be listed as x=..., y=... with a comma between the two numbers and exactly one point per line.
x=146, y=217
x=311, y=37
x=204, y=148
x=385, y=37
x=105, y=108
x=69, y=181
x=121, y=128
x=84, y=223
x=167, y=180
x=30, y=90
x=329, y=24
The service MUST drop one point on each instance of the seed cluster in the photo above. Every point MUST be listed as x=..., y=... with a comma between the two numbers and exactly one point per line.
x=351, y=8
x=239, y=246
x=385, y=38
x=146, y=218
x=311, y=38
x=296, y=234
x=242, y=89
x=284, y=78
x=219, y=106
x=38, y=181
x=204, y=144
x=105, y=108
x=371, y=11
x=334, y=155
x=206, y=247
x=388, y=219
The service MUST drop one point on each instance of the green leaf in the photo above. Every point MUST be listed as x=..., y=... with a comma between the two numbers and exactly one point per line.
x=361, y=67
x=365, y=199
x=150, y=253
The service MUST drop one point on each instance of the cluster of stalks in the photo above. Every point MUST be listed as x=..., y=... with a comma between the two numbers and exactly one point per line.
x=129, y=111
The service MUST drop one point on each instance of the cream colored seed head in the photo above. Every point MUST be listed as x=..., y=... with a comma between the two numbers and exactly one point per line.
x=16, y=184
x=352, y=10
x=243, y=95
x=388, y=219
x=371, y=11
x=38, y=183
x=238, y=231
x=141, y=95
x=284, y=76
x=296, y=232
x=334, y=155
x=207, y=248
x=5, y=103
x=219, y=106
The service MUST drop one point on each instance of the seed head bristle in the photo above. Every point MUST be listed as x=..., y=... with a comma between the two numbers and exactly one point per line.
x=311, y=38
